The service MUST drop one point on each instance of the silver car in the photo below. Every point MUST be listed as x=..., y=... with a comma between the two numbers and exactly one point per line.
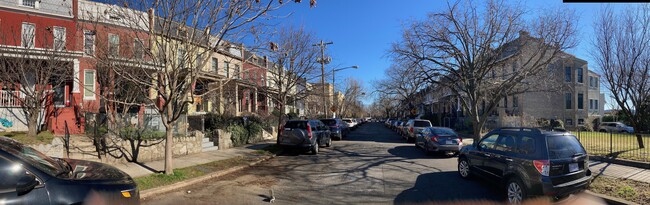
x=414, y=126
x=439, y=139
x=615, y=127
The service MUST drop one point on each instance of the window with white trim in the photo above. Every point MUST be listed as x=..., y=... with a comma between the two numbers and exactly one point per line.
x=28, y=35
x=29, y=3
x=89, y=42
x=215, y=64
x=89, y=84
x=113, y=44
x=59, y=38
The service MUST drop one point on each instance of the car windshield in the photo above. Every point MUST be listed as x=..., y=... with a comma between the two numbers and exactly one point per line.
x=33, y=157
x=329, y=122
x=563, y=146
x=422, y=124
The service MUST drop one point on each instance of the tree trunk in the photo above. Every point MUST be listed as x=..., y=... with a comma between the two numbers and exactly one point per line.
x=476, y=135
x=280, y=123
x=32, y=126
x=639, y=139
x=169, y=139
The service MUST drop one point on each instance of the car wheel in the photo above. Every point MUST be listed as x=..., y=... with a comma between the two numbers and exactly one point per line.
x=314, y=149
x=516, y=191
x=463, y=169
x=329, y=142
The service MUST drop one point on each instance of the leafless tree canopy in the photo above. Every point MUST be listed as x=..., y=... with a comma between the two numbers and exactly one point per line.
x=403, y=81
x=351, y=105
x=461, y=47
x=294, y=63
x=622, y=52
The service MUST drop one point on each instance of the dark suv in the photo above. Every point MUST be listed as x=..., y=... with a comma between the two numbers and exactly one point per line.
x=338, y=128
x=529, y=162
x=29, y=177
x=307, y=134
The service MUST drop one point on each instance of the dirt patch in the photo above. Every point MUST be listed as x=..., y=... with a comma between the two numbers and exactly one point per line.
x=630, y=190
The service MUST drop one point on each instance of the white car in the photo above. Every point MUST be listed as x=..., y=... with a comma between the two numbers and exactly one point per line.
x=350, y=122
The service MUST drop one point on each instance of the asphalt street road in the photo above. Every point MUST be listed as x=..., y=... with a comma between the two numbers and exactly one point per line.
x=373, y=165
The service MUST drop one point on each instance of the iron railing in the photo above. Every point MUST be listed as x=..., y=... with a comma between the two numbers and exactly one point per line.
x=613, y=144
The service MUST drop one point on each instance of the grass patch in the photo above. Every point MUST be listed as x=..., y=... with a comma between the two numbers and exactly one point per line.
x=623, y=146
x=44, y=137
x=630, y=190
x=157, y=180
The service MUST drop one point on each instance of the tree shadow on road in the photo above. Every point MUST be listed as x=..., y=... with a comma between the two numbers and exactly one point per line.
x=412, y=152
x=437, y=187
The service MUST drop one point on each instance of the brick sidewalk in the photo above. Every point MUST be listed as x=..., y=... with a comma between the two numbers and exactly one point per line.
x=136, y=170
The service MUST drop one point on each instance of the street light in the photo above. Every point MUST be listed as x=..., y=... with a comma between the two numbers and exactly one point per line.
x=334, y=97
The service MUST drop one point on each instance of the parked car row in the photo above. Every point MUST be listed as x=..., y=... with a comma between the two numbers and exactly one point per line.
x=312, y=134
x=431, y=139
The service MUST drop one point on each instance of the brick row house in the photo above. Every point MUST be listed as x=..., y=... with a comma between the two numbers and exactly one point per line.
x=84, y=31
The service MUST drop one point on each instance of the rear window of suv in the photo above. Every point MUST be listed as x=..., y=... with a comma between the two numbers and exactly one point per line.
x=443, y=131
x=563, y=146
x=296, y=125
x=422, y=124
x=329, y=122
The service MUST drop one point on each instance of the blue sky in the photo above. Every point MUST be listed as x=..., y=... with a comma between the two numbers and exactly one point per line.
x=363, y=30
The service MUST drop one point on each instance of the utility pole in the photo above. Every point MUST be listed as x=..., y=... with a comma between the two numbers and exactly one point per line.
x=322, y=62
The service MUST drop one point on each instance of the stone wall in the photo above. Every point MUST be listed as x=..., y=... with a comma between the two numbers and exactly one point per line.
x=224, y=138
x=181, y=146
x=54, y=149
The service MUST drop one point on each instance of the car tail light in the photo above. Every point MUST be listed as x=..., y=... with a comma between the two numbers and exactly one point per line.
x=542, y=166
x=434, y=138
x=411, y=129
x=460, y=139
x=309, y=131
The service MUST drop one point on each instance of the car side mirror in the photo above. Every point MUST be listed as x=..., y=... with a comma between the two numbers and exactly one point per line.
x=26, y=184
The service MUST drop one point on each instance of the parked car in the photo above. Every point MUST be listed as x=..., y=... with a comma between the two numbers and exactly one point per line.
x=396, y=125
x=30, y=177
x=350, y=122
x=338, y=128
x=404, y=129
x=438, y=139
x=615, y=127
x=305, y=134
x=414, y=126
x=529, y=162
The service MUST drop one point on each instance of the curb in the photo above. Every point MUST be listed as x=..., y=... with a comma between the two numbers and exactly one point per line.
x=171, y=187
x=642, y=165
x=610, y=199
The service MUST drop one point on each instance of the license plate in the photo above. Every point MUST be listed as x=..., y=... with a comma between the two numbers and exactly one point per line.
x=450, y=142
x=573, y=167
x=287, y=129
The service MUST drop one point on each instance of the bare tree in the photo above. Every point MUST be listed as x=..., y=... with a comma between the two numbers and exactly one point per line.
x=33, y=78
x=404, y=81
x=352, y=93
x=621, y=49
x=294, y=62
x=182, y=36
x=461, y=47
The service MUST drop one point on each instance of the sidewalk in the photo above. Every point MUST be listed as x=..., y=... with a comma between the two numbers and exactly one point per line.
x=620, y=171
x=136, y=170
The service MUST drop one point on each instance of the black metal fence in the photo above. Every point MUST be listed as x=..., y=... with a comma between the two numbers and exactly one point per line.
x=616, y=145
